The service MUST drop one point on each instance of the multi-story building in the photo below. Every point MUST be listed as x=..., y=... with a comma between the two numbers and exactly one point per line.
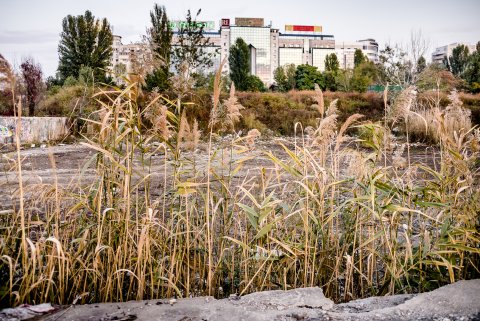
x=370, y=49
x=124, y=57
x=441, y=53
x=269, y=48
x=345, y=52
x=304, y=45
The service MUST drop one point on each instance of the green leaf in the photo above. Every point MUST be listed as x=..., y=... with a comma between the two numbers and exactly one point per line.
x=264, y=230
x=252, y=215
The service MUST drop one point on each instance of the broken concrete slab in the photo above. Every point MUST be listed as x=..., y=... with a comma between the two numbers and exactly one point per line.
x=455, y=302
x=26, y=312
x=34, y=129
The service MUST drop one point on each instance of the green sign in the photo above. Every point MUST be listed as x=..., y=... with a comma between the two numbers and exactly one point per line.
x=178, y=24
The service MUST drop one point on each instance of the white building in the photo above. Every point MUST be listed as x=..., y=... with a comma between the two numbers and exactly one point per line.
x=269, y=48
x=440, y=53
x=346, y=52
x=370, y=49
x=126, y=57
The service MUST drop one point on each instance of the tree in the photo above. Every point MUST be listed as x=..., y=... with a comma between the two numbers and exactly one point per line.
x=395, y=68
x=458, y=60
x=343, y=80
x=191, y=44
x=421, y=64
x=160, y=39
x=32, y=77
x=285, y=77
x=8, y=88
x=416, y=49
x=331, y=63
x=435, y=76
x=239, y=63
x=360, y=79
x=472, y=70
x=307, y=76
x=254, y=83
x=280, y=78
x=330, y=80
x=358, y=58
x=84, y=41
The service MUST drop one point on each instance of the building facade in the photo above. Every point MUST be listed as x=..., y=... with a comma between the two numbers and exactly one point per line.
x=346, y=52
x=125, y=57
x=441, y=53
x=269, y=48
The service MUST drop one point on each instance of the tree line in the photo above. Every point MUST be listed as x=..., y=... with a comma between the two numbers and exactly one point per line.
x=86, y=47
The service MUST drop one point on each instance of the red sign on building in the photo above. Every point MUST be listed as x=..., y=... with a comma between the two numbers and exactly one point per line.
x=225, y=23
x=303, y=28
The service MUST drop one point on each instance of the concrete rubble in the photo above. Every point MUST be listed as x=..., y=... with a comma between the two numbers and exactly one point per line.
x=456, y=302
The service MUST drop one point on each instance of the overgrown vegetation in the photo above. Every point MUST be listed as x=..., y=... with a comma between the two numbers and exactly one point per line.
x=355, y=221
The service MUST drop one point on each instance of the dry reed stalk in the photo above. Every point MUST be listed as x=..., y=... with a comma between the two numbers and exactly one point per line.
x=402, y=105
x=233, y=108
x=252, y=135
x=355, y=232
x=320, y=102
x=188, y=137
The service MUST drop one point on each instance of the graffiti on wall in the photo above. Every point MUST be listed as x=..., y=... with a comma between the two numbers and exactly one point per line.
x=34, y=129
x=5, y=132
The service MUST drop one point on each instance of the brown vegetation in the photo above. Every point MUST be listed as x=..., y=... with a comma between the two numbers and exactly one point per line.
x=305, y=220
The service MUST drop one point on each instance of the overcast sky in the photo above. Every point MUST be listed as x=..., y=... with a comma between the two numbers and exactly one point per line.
x=32, y=27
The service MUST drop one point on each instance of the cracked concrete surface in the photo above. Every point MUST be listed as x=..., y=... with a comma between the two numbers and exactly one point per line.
x=456, y=302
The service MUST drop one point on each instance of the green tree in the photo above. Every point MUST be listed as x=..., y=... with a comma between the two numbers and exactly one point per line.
x=472, y=70
x=363, y=76
x=421, y=64
x=239, y=63
x=343, y=80
x=285, y=77
x=84, y=41
x=358, y=58
x=307, y=76
x=330, y=80
x=191, y=45
x=457, y=62
x=331, y=63
x=159, y=36
x=254, y=83
x=280, y=78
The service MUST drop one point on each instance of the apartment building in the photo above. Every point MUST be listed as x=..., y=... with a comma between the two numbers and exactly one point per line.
x=441, y=53
x=269, y=47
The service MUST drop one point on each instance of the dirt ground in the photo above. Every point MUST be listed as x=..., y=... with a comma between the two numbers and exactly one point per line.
x=71, y=165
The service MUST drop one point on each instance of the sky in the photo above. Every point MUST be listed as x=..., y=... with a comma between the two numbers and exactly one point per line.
x=32, y=27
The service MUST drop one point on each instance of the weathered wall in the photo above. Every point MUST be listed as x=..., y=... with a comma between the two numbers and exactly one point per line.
x=36, y=129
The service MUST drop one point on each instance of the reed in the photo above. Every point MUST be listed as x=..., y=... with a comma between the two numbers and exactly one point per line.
x=325, y=212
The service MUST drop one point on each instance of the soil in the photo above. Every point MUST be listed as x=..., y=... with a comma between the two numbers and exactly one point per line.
x=73, y=165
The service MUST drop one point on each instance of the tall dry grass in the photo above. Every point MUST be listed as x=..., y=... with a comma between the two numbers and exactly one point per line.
x=326, y=213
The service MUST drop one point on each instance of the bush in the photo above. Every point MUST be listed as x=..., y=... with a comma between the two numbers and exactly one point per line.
x=6, y=105
x=64, y=101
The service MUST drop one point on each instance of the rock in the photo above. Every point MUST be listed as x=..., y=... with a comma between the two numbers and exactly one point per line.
x=25, y=312
x=455, y=302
